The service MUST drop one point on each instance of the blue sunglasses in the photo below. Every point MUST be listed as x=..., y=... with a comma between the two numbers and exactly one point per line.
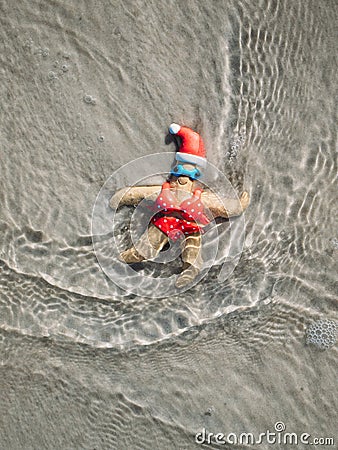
x=179, y=171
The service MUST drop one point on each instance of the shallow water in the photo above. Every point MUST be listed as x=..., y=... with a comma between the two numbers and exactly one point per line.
x=88, y=88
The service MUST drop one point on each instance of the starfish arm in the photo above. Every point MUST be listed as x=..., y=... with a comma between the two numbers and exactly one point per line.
x=225, y=207
x=133, y=195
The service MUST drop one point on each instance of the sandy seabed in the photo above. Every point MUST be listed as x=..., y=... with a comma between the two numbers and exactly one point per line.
x=89, y=86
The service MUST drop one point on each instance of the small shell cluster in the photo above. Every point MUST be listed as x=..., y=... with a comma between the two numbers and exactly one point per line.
x=235, y=146
x=322, y=333
x=44, y=52
x=41, y=51
x=334, y=243
x=89, y=99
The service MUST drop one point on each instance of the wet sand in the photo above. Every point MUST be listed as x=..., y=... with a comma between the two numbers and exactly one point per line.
x=88, y=88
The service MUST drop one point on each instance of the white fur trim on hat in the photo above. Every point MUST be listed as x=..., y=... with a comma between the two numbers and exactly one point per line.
x=174, y=128
x=193, y=159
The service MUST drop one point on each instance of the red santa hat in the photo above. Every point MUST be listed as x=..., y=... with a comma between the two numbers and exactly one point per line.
x=192, y=150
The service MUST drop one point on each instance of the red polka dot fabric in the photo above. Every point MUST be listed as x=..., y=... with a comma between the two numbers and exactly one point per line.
x=175, y=228
x=178, y=220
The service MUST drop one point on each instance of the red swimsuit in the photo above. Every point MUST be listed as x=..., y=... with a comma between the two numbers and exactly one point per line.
x=177, y=220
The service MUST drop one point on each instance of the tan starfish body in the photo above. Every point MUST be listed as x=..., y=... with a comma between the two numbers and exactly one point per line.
x=153, y=240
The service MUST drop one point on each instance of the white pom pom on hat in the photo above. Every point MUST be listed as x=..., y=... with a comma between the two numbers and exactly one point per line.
x=174, y=128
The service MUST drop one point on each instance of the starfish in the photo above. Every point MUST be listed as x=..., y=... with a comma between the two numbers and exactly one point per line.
x=153, y=240
x=181, y=207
